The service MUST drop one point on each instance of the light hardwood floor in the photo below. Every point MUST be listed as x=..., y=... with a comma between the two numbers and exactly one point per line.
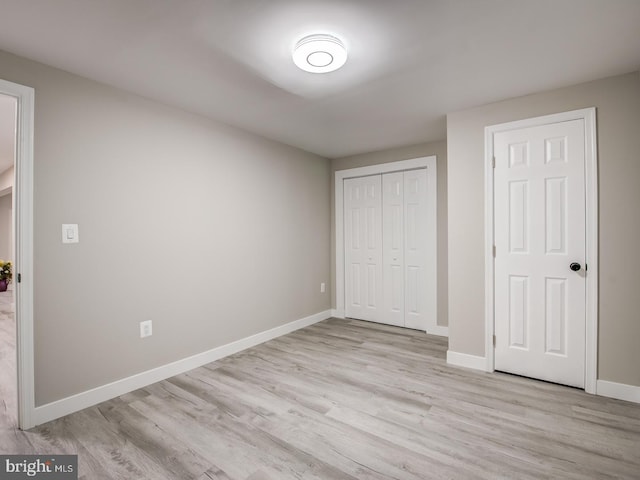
x=345, y=400
x=8, y=400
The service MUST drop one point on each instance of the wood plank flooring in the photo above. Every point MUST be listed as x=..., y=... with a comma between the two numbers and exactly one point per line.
x=345, y=400
x=8, y=398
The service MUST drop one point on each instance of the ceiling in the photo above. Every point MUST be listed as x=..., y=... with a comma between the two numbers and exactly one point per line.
x=410, y=61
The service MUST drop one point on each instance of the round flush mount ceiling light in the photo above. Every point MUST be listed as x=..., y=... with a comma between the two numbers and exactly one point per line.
x=319, y=53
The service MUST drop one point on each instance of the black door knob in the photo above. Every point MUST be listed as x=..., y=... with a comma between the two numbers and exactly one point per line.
x=575, y=266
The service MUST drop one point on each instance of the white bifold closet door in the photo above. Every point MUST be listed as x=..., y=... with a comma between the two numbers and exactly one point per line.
x=363, y=247
x=393, y=248
x=386, y=248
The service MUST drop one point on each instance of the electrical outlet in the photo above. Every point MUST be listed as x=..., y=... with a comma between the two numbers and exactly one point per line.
x=146, y=329
x=322, y=288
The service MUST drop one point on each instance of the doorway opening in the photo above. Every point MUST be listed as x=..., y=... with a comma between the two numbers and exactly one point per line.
x=21, y=238
x=8, y=333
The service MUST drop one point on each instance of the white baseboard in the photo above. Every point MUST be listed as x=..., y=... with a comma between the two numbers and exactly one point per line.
x=438, y=330
x=337, y=313
x=74, y=403
x=465, y=360
x=621, y=391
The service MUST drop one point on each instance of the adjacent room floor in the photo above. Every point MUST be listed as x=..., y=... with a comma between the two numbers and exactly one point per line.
x=8, y=399
x=345, y=400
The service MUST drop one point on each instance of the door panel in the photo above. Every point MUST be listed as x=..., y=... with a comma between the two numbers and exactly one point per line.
x=393, y=247
x=415, y=248
x=363, y=247
x=355, y=277
x=556, y=316
x=519, y=216
x=518, y=312
x=539, y=230
x=556, y=215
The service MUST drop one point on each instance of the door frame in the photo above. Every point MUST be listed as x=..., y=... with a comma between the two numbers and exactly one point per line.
x=23, y=247
x=591, y=231
x=432, y=211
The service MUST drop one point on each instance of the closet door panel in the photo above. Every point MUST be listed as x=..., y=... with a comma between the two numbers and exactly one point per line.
x=363, y=248
x=393, y=248
x=415, y=252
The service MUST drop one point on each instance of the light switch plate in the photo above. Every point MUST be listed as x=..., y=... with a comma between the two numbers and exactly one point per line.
x=146, y=329
x=70, y=233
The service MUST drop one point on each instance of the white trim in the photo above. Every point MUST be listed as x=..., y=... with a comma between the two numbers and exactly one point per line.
x=621, y=391
x=593, y=275
x=488, y=250
x=23, y=228
x=432, y=247
x=438, y=330
x=465, y=360
x=337, y=313
x=74, y=403
x=591, y=204
x=432, y=181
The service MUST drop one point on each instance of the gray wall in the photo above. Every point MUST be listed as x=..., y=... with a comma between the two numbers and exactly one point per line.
x=6, y=228
x=439, y=149
x=6, y=179
x=617, y=100
x=213, y=233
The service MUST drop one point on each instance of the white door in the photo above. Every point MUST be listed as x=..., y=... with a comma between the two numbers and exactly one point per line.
x=393, y=248
x=539, y=208
x=415, y=249
x=363, y=247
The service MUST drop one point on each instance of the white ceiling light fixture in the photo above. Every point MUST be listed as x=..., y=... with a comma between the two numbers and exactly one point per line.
x=319, y=53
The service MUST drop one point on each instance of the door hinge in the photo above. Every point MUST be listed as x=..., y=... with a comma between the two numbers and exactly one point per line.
x=494, y=340
x=19, y=277
x=493, y=162
x=494, y=251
